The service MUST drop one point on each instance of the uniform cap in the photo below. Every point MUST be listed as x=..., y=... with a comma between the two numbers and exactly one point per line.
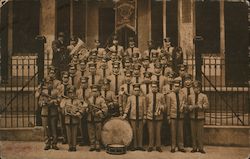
x=84, y=79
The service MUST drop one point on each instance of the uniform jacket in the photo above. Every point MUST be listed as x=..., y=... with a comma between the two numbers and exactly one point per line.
x=99, y=112
x=162, y=80
x=172, y=104
x=160, y=106
x=202, y=104
x=97, y=78
x=109, y=96
x=78, y=107
x=130, y=109
x=61, y=57
x=120, y=49
x=112, y=83
x=49, y=105
x=79, y=93
x=130, y=53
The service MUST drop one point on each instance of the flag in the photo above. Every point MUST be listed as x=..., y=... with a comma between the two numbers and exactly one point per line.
x=126, y=14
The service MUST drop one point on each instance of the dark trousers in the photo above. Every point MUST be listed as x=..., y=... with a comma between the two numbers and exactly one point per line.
x=154, y=131
x=137, y=133
x=71, y=130
x=187, y=131
x=177, y=133
x=50, y=126
x=197, y=133
x=166, y=135
x=62, y=127
x=94, y=131
x=84, y=129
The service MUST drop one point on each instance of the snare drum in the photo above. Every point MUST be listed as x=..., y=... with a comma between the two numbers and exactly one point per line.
x=116, y=149
x=116, y=135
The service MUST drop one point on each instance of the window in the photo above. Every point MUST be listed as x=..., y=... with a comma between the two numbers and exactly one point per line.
x=208, y=25
x=25, y=26
x=156, y=22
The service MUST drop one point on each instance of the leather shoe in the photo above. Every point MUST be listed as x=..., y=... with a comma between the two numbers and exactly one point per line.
x=158, y=149
x=132, y=149
x=202, y=151
x=172, y=150
x=73, y=148
x=150, y=149
x=141, y=149
x=47, y=147
x=193, y=150
x=55, y=147
x=181, y=150
x=92, y=149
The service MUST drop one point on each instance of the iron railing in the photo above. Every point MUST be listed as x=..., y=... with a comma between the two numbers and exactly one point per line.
x=229, y=105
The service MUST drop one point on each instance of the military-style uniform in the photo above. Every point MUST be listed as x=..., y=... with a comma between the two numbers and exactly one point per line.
x=146, y=64
x=155, y=109
x=125, y=91
x=96, y=110
x=73, y=108
x=83, y=93
x=157, y=76
x=116, y=78
x=146, y=83
x=176, y=101
x=73, y=77
x=63, y=93
x=61, y=57
x=197, y=103
x=48, y=101
x=187, y=90
x=93, y=77
x=148, y=52
x=103, y=68
x=136, y=112
x=119, y=50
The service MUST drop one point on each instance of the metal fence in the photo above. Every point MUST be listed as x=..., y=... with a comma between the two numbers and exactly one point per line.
x=229, y=105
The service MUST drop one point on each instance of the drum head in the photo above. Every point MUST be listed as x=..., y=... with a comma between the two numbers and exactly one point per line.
x=116, y=131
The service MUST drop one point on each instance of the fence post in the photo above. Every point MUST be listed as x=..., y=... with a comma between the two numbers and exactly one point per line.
x=40, y=41
x=198, y=59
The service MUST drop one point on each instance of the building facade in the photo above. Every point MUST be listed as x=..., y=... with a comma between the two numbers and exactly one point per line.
x=222, y=24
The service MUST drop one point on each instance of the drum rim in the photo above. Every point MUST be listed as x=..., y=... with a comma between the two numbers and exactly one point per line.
x=116, y=146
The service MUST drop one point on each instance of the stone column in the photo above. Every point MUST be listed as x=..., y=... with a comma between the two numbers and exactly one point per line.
x=48, y=23
x=144, y=23
x=10, y=28
x=92, y=23
x=186, y=23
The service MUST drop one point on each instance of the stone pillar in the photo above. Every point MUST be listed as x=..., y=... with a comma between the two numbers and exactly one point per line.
x=222, y=42
x=222, y=29
x=10, y=28
x=92, y=23
x=144, y=23
x=186, y=23
x=48, y=23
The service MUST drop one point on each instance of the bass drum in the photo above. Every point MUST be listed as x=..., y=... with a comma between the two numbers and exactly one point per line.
x=116, y=131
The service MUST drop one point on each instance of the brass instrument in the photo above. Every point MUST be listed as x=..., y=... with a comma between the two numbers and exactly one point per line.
x=74, y=110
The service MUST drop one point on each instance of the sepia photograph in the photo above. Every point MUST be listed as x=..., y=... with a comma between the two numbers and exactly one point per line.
x=124, y=79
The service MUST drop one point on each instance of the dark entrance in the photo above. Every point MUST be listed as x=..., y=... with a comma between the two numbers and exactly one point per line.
x=106, y=25
x=236, y=41
x=4, y=42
